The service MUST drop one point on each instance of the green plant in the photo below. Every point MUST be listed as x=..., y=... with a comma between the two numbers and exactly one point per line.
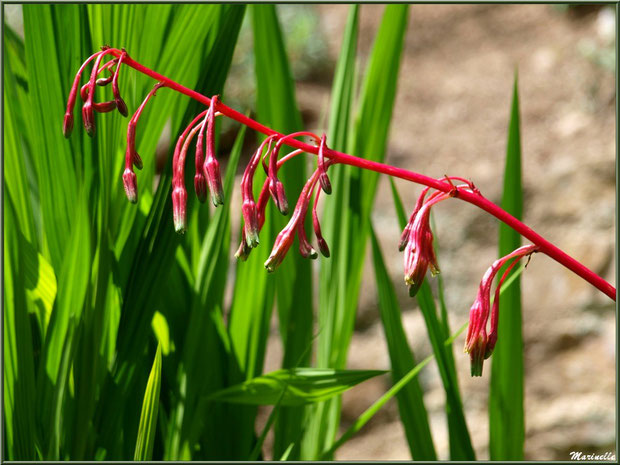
x=96, y=285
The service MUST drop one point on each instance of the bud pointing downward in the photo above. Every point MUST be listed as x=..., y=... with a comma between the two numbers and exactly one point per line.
x=131, y=185
x=179, y=209
x=67, y=125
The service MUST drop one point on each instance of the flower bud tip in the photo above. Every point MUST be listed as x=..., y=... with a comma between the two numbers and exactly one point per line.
x=200, y=185
x=179, y=201
x=67, y=125
x=130, y=185
x=122, y=106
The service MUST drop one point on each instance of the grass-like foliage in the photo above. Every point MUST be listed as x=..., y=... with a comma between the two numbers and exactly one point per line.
x=123, y=339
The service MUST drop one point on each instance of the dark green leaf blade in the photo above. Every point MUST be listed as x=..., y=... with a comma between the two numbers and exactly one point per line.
x=413, y=413
x=506, y=416
x=460, y=442
x=150, y=407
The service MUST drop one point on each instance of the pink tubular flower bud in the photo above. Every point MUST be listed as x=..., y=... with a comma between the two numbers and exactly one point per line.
x=285, y=238
x=323, y=178
x=120, y=103
x=214, y=179
x=280, y=248
x=130, y=184
x=200, y=186
x=88, y=107
x=305, y=249
x=250, y=218
x=419, y=253
x=179, y=209
x=211, y=167
x=88, y=118
x=67, y=125
x=244, y=249
x=477, y=343
x=323, y=247
x=276, y=189
x=105, y=107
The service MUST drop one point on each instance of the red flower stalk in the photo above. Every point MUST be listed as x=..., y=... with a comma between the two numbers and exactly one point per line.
x=478, y=344
x=471, y=194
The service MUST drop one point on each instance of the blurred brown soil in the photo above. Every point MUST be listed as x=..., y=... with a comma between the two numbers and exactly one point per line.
x=451, y=117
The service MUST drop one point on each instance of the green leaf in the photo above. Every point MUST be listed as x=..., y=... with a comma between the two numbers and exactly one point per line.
x=347, y=211
x=376, y=406
x=460, y=442
x=506, y=416
x=18, y=374
x=150, y=407
x=413, y=413
x=276, y=106
x=59, y=347
x=302, y=385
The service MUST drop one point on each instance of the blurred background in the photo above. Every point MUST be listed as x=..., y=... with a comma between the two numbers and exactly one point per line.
x=451, y=117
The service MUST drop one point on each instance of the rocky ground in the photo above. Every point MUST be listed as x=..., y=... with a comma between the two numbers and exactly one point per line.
x=451, y=117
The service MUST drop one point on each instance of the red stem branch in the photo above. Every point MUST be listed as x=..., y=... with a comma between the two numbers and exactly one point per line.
x=544, y=245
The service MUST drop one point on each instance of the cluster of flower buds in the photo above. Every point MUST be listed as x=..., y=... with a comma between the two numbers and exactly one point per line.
x=478, y=343
x=87, y=92
x=254, y=212
x=417, y=238
x=207, y=167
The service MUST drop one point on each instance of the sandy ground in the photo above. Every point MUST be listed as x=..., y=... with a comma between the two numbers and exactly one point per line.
x=451, y=116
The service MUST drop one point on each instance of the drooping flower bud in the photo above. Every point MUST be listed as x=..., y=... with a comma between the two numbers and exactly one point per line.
x=120, y=103
x=323, y=247
x=88, y=107
x=249, y=208
x=419, y=253
x=276, y=189
x=280, y=248
x=104, y=107
x=250, y=219
x=244, y=249
x=200, y=186
x=323, y=178
x=305, y=248
x=214, y=179
x=67, y=125
x=130, y=184
x=102, y=82
x=211, y=167
x=179, y=209
x=88, y=118
x=477, y=343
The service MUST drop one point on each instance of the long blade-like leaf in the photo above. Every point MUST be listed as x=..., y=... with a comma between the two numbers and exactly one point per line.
x=150, y=407
x=506, y=417
x=347, y=222
x=301, y=385
x=460, y=442
x=413, y=413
